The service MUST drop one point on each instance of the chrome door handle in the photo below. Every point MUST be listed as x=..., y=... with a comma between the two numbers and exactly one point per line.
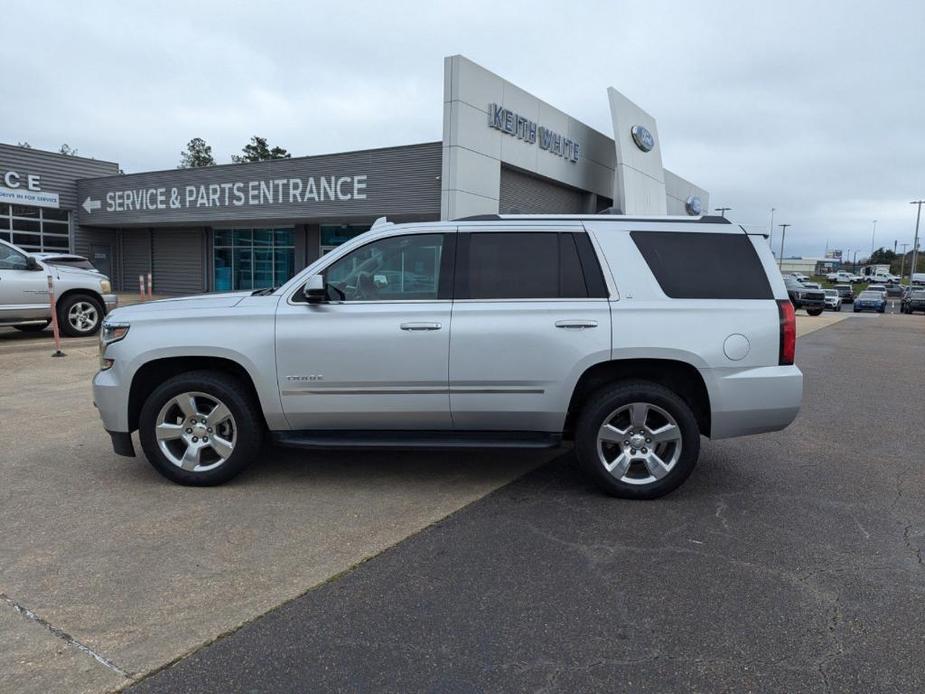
x=576, y=324
x=421, y=326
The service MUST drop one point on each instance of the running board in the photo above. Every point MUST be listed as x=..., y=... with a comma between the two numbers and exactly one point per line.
x=435, y=440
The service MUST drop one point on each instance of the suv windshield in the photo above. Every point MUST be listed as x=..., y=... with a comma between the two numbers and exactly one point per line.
x=831, y=292
x=870, y=295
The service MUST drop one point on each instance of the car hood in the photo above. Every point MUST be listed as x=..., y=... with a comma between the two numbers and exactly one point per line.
x=184, y=303
x=61, y=272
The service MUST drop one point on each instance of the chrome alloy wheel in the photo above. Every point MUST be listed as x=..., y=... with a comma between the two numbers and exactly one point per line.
x=83, y=316
x=195, y=432
x=639, y=443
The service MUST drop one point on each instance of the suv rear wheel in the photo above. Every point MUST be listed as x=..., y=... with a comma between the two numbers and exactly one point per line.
x=637, y=439
x=200, y=429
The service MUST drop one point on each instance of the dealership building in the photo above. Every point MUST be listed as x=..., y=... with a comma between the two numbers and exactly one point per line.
x=253, y=225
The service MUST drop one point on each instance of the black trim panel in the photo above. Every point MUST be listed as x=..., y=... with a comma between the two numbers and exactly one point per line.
x=436, y=440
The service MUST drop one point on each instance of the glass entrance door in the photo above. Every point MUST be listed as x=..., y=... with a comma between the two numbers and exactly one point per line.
x=252, y=258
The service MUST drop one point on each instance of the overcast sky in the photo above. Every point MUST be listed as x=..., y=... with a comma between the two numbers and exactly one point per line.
x=814, y=108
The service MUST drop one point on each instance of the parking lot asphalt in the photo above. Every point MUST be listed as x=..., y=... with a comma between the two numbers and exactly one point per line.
x=108, y=571
x=788, y=562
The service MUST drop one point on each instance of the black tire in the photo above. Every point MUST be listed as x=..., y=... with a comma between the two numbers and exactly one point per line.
x=247, y=422
x=32, y=327
x=64, y=310
x=598, y=410
x=814, y=311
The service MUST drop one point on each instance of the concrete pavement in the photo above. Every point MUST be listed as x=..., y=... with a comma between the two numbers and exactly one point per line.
x=100, y=556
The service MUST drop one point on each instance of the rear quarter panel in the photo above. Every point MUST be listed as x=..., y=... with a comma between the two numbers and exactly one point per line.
x=725, y=339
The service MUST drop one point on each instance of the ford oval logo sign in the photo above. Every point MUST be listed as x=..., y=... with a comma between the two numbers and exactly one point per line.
x=694, y=206
x=643, y=138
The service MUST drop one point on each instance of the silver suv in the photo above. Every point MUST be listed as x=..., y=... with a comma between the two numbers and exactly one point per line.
x=629, y=337
x=83, y=297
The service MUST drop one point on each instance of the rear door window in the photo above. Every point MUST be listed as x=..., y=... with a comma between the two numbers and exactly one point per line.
x=526, y=265
x=701, y=265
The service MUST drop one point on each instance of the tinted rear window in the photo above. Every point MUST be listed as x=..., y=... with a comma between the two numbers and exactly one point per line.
x=698, y=265
x=527, y=265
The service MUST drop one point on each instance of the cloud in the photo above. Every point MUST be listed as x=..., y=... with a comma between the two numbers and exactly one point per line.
x=812, y=108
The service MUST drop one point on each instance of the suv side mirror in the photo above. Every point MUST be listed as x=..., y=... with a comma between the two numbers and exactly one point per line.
x=32, y=263
x=314, y=291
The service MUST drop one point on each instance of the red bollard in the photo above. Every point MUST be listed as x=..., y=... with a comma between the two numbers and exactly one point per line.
x=150, y=286
x=54, y=318
x=141, y=287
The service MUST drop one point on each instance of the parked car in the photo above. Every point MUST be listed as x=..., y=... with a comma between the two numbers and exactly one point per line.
x=895, y=291
x=599, y=329
x=870, y=301
x=832, y=300
x=799, y=276
x=83, y=297
x=840, y=276
x=845, y=293
x=813, y=300
x=913, y=301
x=917, y=278
x=876, y=288
x=66, y=260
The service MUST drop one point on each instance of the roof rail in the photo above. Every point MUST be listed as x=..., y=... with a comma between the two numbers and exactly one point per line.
x=380, y=222
x=707, y=219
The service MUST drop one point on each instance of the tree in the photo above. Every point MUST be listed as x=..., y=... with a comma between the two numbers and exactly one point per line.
x=197, y=154
x=258, y=150
x=67, y=151
x=882, y=256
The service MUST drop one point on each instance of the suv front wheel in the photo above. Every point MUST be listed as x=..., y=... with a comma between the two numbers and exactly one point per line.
x=80, y=315
x=200, y=428
x=637, y=440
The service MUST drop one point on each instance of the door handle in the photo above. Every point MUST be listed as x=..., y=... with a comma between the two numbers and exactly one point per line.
x=576, y=324
x=421, y=326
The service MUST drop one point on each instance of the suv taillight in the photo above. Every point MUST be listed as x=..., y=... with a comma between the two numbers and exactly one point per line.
x=788, y=332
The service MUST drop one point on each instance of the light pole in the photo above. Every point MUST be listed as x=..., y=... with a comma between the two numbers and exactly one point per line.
x=902, y=263
x=872, y=237
x=783, y=228
x=722, y=210
x=915, y=242
x=771, y=227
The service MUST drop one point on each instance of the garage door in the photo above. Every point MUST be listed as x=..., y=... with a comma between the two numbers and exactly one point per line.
x=178, y=261
x=525, y=194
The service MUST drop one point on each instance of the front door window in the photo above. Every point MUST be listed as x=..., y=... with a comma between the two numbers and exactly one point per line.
x=399, y=268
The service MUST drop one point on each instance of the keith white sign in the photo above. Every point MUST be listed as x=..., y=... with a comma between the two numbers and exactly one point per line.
x=275, y=191
x=20, y=196
x=505, y=120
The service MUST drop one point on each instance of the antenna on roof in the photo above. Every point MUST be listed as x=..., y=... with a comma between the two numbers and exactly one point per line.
x=381, y=222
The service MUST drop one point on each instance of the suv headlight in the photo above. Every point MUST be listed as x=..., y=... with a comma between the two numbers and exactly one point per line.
x=105, y=287
x=109, y=333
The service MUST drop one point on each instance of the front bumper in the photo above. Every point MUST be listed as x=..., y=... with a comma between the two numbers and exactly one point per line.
x=111, y=301
x=753, y=401
x=110, y=396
